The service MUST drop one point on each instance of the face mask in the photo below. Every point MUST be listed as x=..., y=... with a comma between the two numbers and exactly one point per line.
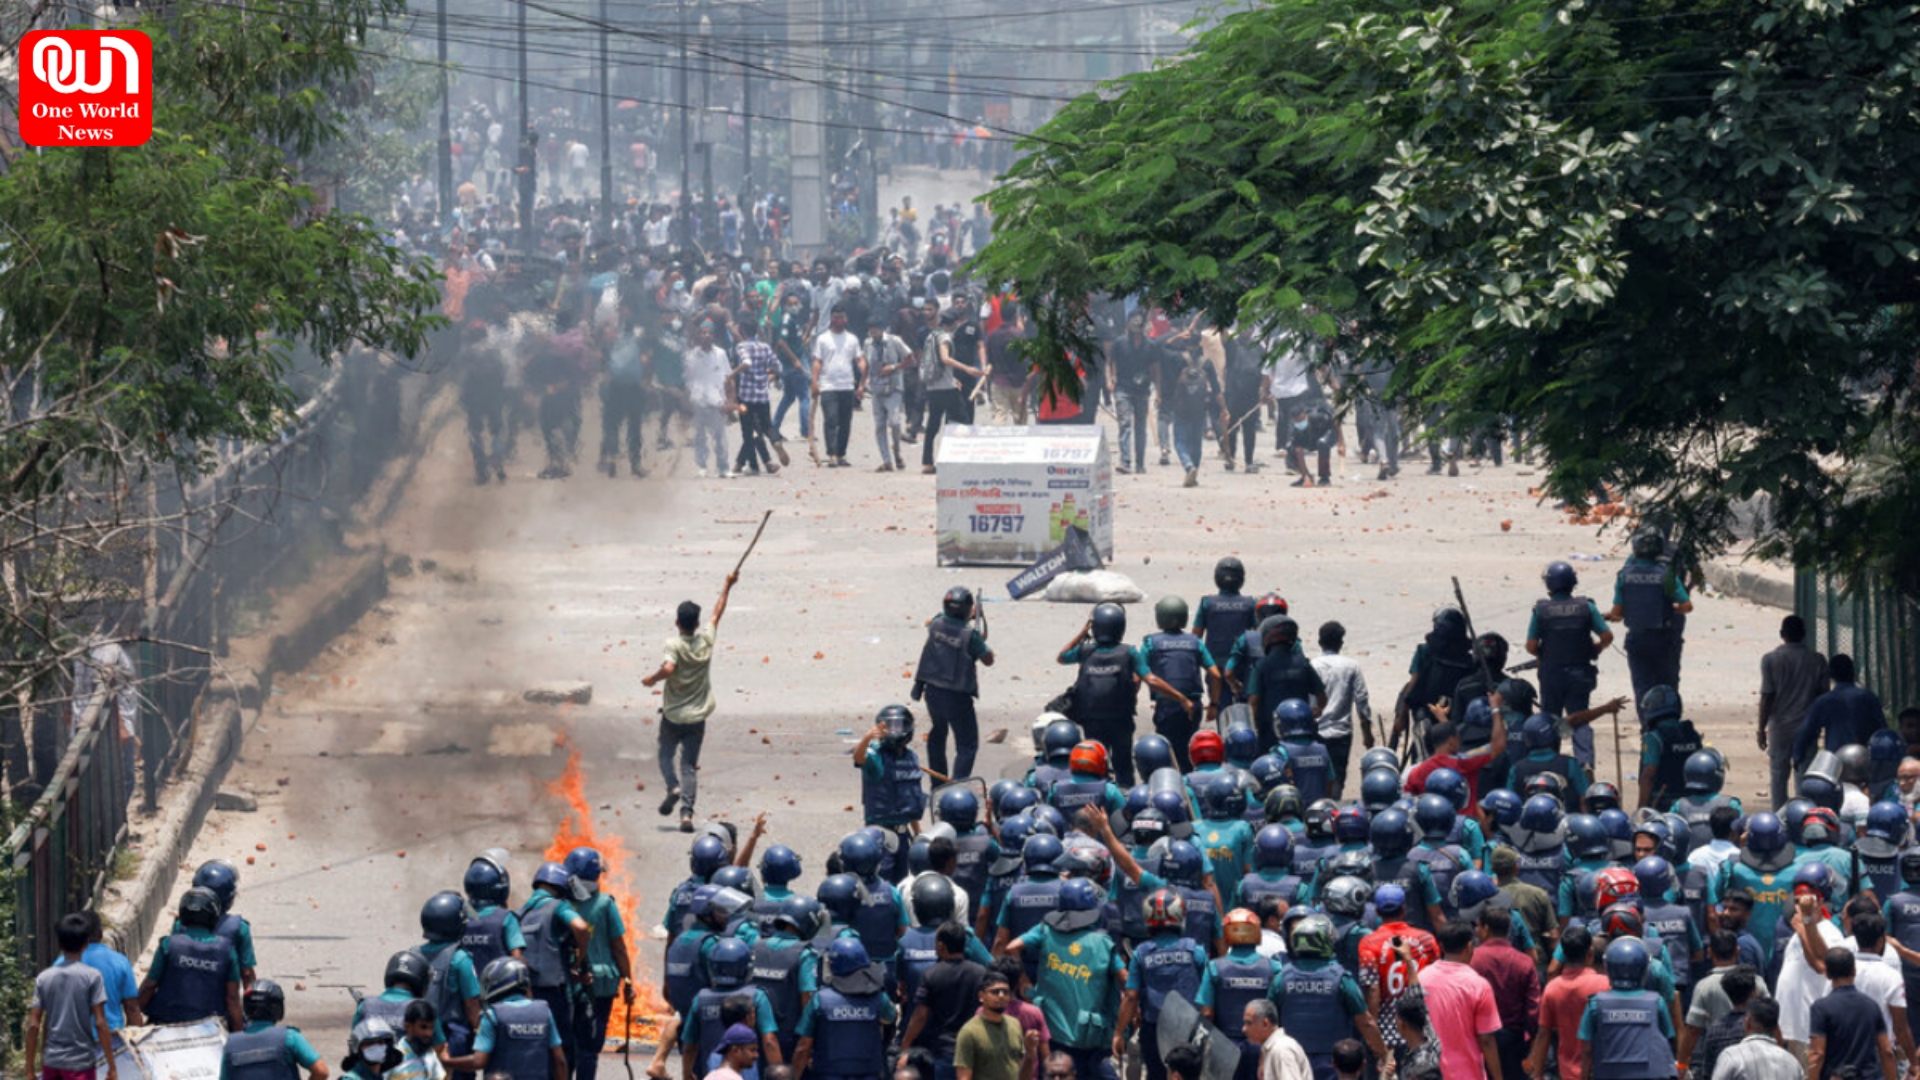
x=1300, y=425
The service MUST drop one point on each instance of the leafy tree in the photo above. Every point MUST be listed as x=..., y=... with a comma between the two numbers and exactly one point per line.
x=1677, y=242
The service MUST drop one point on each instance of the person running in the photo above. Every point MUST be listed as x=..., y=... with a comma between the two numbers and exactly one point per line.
x=687, y=701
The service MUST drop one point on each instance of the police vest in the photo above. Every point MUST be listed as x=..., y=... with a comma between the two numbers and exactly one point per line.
x=1443, y=864
x=917, y=954
x=776, y=971
x=1308, y=762
x=1543, y=869
x=1106, y=689
x=1693, y=893
x=680, y=905
x=543, y=953
x=1643, y=596
x=194, y=984
x=1256, y=887
x=896, y=797
x=1443, y=665
x=1235, y=983
x=1678, y=741
x=443, y=990
x=1225, y=618
x=764, y=909
x=1129, y=898
x=1030, y=901
x=1310, y=1007
x=972, y=856
x=1566, y=631
x=228, y=929
x=1202, y=913
x=1883, y=875
x=1627, y=1043
x=1696, y=811
x=1308, y=857
x=259, y=1055
x=878, y=920
x=522, y=1030
x=1672, y=921
x=1175, y=657
x=686, y=975
x=1529, y=767
x=847, y=1040
x=1584, y=883
x=1073, y=794
x=1405, y=872
x=1903, y=923
x=486, y=937
x=1043, y=776
x=1165, y=967
x=944, y=659
x=706, y=1005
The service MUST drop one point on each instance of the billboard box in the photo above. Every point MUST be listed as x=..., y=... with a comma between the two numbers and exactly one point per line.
x=1006, y=494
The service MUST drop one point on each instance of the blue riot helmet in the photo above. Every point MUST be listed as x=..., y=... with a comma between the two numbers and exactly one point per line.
x=1619, y=829
x=1059, y=740
x=1017, y=802
x=1766, y=834
x=1655, y=875
x=1148, y=826
x=1151, y=753
x=1378, y=788
x=1502, y=806
x=1543, y=815
x=846, y=956
x=1269, y=772
x=1822, y=791
x=1704, y=772
x=1183, y=865
x=1559, y=578
x=219, y=877
x=1433, y=816
x=1242, y=743
x=1660, y=703
x=1273, y=847
x=1793, y=817
x=1451, y=786
x=842, y=896
x=780, y=866
x=860, y=856
x=1294, y=718
x=1627, y=963
x=1540, y=732
x=504, y=977
x=1041, y=852
x=486, y=880
x=730, y=964
x=1379, y=758
x=736, y=877
x=1220, y=797
x=1078, y=894
x=1109, y=624
x=585, y=864
x=1885, y=832
x=1391, y=834
x=1352, y=824
x=709, y=853
x=1586, y=837
x=442, y=918
x=1470, y=889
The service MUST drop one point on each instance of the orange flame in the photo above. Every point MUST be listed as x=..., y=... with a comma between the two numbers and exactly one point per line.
x=577, y=830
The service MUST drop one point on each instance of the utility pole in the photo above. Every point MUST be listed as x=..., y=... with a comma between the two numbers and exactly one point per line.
x=684, y=226
x=709, y=210
x=745, y=194
x=529, y=164
x=803, y=139
x=445, y=150
x=606, y=120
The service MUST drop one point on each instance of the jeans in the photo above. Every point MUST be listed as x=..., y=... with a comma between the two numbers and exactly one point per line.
x=755, y=424
x=1189, y=433
x=951, y=709
x=1340, y=748
x=487, y=438
x=1247, y=435
x=942, y=406
x=1009, y=403
x=795, y=388
x=889, y=423
x=686, y=739
x=620, y=408
x=1131, y=407
x=589, y=1035
x=836, y=414
x=710, y=426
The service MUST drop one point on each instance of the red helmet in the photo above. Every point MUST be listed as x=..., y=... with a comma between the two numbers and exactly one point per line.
x=1622, y=920
x=1166, y=910
x=1612, y=885
x=1270, y=604
x=1089, y=758
x=1207, y=748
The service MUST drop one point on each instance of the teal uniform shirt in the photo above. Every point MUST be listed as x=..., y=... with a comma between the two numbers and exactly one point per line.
x=603, y=915
x=1474, y=841
x=1567, y=902
x=509, y=928
x=1577, y=780
x=1676, y=592
x=1076, y=991
x=1146, y=654
x=401, y=997
x=298, y=1047
x=1203, y=994
x=1083, y=650
x=466, y=981
x=242, y=942
x=1228, y=845
x=1595, y=621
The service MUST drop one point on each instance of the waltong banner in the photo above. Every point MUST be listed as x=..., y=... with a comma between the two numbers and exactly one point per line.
x=1076, y=552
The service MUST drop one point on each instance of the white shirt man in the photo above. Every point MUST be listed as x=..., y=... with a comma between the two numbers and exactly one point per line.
x=1800, y=986
x=706, y=373
x=836, y=352
x=1281, y=1057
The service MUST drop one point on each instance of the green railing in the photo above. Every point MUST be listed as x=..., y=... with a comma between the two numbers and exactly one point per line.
x=1877, y=626
x=64, y=849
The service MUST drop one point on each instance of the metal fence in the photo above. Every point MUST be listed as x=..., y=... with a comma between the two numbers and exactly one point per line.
x=227, y=533
x=1876, y=625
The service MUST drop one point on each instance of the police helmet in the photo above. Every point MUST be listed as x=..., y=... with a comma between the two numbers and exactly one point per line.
x=1170, y=613
x=1229, y=574
x=504, y=977
x=1601, y=795
x=1056, y=822
x=1627, y=963
x=486, y=880
x=1240, y=927
x=1586, y=837
x=1886, y=745
x=1433, y=816
x=1910, y=867
x=1704, y=772
x=1655, y=875
x=932, y=899
x=1450, y=786
x=1660, y=703
x=1766, y=834
x=859, y=855
x=1518, y=695
x=1165, y=909
x=1816, y=877
x=1470, y=889
x=584, y=864
x=1822, y=826
x=1268, y=606
x=780, y=865
x=1172, y=806
x=1060, y=739
x=1312, y=938
x=1318, y=819
x=1294, y=718
x=1220, y=797
x=730, y=964
x=1378, y=788
x=1502, y=806
x=1152, y=753
x=1559, y=577
x=1390, y=900
x=709, y=853
x=896, y=723
x=806, y=915
x=444, y=917
x=1273, y=848
x=219, y=877
x=1854, y=762
x=1041, y=852
x=736, y=877
x=1242, y=743
x=1623, y=918
x=1540, y=732
x=1391, y=834
x=959, y=807
x=1206, y=747
x=847, y=956
x=1543, y=815
x=1356, y=863
x=842, y=895
x=371, y=1031
x=1183, y=865
x=1379, y=758
x=1283, y=802
x=1546, y=783
x=1109, y=624
x=200, y=908
x=1619, y=829
x=1351, y=824
x=1089, y=759
x=1148, y=826
x=1886, y=822
x=408, y=970
x=1019, y=801
x=1821, y=791
x=958, y=603
x=1648, y=544
x=264, y=1001
x=1347, y=897
x=1269, y=771
x=1078, y=894
x=554, y=876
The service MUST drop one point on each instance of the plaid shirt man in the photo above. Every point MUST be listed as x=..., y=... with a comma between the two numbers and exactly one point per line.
x=759, y=370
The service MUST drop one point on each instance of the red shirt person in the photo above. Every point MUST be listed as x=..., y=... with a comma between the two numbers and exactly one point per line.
x=1443, y=742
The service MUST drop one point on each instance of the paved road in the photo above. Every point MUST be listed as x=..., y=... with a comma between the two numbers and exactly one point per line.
x=382, y=768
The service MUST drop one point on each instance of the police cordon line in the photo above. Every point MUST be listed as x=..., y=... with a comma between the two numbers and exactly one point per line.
x=1197, y=900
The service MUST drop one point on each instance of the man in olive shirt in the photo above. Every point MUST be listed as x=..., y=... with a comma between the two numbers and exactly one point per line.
x=687, y=701
x=992, y=1046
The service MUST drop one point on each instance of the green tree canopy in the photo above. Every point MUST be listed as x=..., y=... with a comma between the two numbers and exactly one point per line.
x=1676, y=241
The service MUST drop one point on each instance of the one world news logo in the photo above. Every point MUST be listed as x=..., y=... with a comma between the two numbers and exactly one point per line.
x=86, y=88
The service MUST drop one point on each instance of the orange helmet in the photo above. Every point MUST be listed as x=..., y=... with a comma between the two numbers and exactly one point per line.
x=1242, y=927
x=1207, y=748
x=1613, y=885
x=1089, y=758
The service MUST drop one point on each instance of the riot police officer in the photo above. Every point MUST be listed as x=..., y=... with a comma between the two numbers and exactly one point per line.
x=557, y=940
x=708, y=854
x=1702, y=775
x=1184, y=662
x=195, y=972
x=268, y=1049
x=786, y=968
x=1242, y=974
x=607, y=956
x=842, y=1032
x=948, y=678
x=1167, y=962
x=893, y=795
x=1224, y=616
x=731, y=970
x=1649, y=597
x=406, y=980
x=1666, y=742
x=1439, y=664
x=1631, y=1032
x=1308, y=760
x=222, y=879
x=493, y=931
x=453, y=983
x=1319, y=999
x=974, y=848
x=1566, y=634
x=519, y=1036
x=1540, y=734
x=1107, y=690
